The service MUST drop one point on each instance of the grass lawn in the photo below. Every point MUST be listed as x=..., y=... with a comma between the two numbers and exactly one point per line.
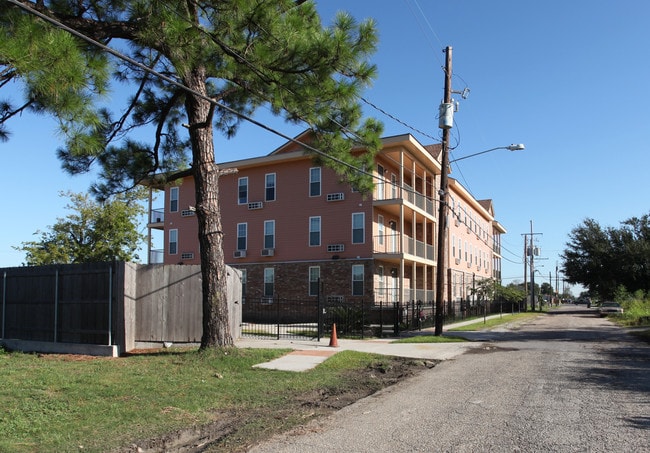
x=65, y=403
x=494, y=322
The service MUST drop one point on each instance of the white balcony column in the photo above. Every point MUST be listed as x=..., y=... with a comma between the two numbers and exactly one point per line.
x=149, y=211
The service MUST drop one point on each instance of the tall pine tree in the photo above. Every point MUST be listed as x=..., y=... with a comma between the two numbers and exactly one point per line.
x=227, y=57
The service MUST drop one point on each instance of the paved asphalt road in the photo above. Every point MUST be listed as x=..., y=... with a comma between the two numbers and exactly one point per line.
x=565, y=382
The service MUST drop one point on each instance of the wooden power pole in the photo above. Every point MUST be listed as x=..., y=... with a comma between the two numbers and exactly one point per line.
x=445, y=123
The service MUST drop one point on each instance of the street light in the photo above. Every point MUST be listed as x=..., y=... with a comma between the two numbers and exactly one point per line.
x=513, y=147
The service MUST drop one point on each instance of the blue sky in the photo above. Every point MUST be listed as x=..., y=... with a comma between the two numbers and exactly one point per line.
x=567, y=79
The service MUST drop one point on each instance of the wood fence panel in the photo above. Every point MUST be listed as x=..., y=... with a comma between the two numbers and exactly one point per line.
x=168, y=304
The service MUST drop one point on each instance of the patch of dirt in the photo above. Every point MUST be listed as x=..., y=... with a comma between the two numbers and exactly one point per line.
x=237, y=431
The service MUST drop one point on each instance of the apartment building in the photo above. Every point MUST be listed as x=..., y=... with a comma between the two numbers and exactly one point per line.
x=296, y=231
x=474, y=243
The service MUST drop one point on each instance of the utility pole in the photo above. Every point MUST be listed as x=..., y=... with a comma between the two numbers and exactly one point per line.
x=525, y=272
x=445, y=123
x=529, y=251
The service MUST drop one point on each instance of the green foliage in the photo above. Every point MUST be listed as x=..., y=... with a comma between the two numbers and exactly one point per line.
x=94, y=231
x=547, y=288
x=60, y=75
x=512, y=294
x=605, y=259
x=636, y=307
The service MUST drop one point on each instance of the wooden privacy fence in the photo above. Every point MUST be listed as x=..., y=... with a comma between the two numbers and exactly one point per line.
x=120, y=305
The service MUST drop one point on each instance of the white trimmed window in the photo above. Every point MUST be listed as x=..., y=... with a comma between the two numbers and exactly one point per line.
x=242, y=234
x=314, y=231
x=269, y=234
x=242, y=190
x=173, y=199
x=269, y=192
x=314, y=280
x=269, y=281
x=173, y=242
x=358, y=227
x=315, y=182
x=357, y=280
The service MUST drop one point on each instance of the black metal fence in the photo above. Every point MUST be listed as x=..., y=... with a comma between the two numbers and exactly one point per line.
x=279, y=318
x=276, y=318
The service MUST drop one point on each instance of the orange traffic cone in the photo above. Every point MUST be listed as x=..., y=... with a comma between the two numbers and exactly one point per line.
x=334, y=343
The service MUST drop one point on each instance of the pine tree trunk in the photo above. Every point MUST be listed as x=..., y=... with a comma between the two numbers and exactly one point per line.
x=216, y=326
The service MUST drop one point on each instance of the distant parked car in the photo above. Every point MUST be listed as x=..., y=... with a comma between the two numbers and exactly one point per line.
x=610, y=308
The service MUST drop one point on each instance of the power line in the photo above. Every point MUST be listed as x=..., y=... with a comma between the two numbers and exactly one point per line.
x=397, y=119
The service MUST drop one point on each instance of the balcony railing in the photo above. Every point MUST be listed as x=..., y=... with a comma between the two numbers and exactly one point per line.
x=389, y=191
x=157, y=256
x=384, y=294
x=391, y=243
x=157, y=216
x=419, y=200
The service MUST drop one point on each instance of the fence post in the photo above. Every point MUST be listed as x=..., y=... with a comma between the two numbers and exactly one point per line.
x=319, y=315
x=110, y=305
x=56, y=303
x=363, y=317
x=4, y=302
x=277, y=303
x=396, y=311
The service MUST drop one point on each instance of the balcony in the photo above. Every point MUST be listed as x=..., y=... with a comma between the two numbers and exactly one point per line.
x=391, y=246
x=157, y=256
x=157, y=216
x=385, y=294
x=388, y=194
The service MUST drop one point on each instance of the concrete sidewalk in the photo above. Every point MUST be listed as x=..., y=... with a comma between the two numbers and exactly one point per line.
x=307, y=354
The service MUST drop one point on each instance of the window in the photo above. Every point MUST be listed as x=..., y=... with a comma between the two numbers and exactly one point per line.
x=242, y=233
x=173, y=199
x=380, y=229
x=357, y=280
x=453, y=246
x=314, y=231
x=173, y=242
x=381, y=195
x=358, y=228
x=242, y=190
x=269, y=234
x=314, y=280
x=314, y=181
x=269, y=193
x=269, y=277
